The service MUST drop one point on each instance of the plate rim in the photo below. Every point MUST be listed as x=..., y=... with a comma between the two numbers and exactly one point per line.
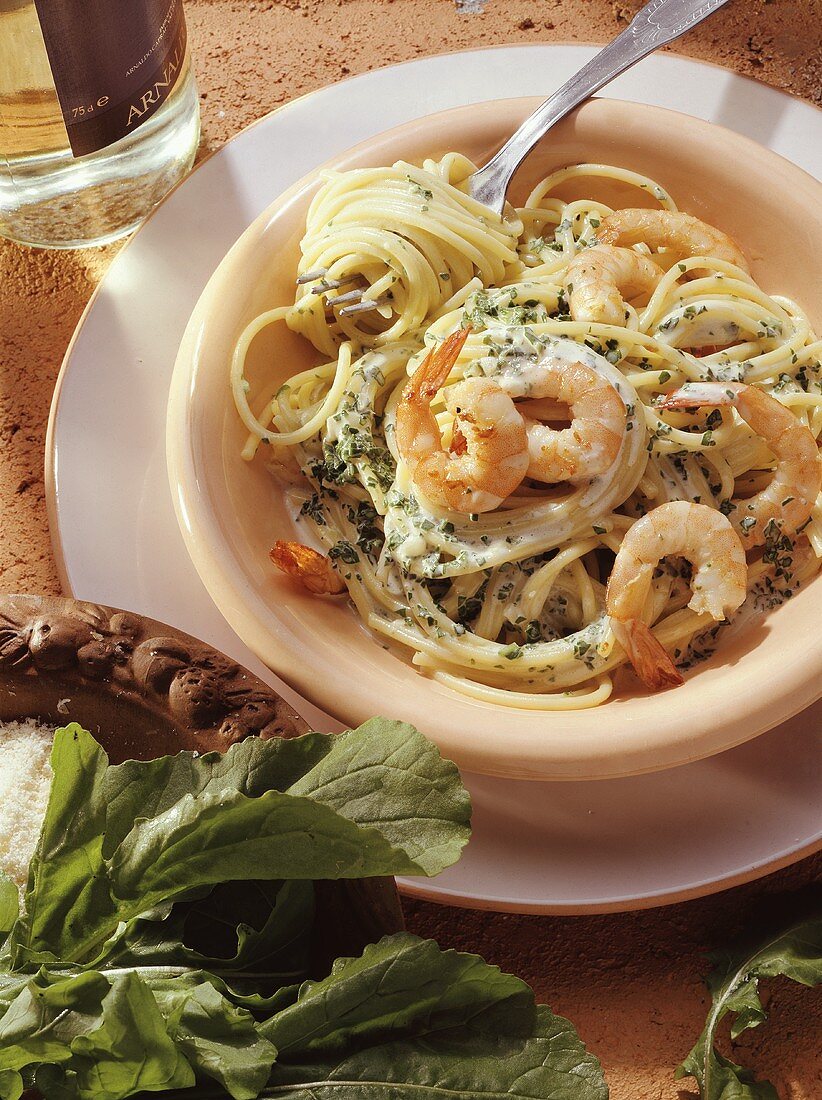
x=420, y=890
x=754, y=870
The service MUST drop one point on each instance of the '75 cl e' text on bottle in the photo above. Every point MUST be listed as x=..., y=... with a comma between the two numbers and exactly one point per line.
x=98, y=116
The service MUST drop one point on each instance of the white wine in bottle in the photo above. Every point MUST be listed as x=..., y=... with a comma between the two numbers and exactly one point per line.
x=98, y=116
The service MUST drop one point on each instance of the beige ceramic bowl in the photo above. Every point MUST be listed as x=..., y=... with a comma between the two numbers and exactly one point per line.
x=231, y=513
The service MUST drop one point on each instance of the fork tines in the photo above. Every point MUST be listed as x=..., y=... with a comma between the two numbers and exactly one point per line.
x=361, y=307
x=341, y=299
x=310, y=276
x=349, y=303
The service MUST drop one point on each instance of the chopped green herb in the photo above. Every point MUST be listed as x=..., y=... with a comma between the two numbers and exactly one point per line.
x=511, y=652
x=344, y=551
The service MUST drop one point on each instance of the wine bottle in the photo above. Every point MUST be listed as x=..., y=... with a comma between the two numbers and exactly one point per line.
x=98, y=116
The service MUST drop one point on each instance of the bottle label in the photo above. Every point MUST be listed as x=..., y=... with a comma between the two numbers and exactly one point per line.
x=114, y=64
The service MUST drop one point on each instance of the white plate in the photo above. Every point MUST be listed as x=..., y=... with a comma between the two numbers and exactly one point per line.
x=556, y=847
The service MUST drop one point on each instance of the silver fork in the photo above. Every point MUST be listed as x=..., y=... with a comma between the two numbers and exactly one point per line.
x=657, y=24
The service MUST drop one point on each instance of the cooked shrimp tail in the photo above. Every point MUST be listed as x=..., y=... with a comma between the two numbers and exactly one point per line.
x=705, y=538
x=312, y=569
x=429, y=378
x=791, y=495
x=651, y=661
x=694, y=395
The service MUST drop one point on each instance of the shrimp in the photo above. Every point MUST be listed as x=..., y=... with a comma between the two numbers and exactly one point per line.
x=312, y=569
x=600, y=279
x=591, y=444
x=789, y=498
x=489, y=448
x=707, y=540
x=683, y=234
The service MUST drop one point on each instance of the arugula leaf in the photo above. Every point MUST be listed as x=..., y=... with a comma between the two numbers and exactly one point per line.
x=253, y=936
x=216, y=837
x=109, y=1032
x=551, y=1062
x=403, y=1019
x=397, y=985
x=269, y=922
x=119, y=841
x=65, y=872
x=38, y=1025
x=114, y=1035
x=9, y=905
x=394, y=758
x=219, y=1039
x=121, y=1032
x=11, y=1084
x=55, y=1082
x=172, y=903
x=341, y=771
x=129, y=1048
x=407, y=1019
x=796, y=954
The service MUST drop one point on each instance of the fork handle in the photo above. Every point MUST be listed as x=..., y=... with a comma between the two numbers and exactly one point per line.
x=655, y=25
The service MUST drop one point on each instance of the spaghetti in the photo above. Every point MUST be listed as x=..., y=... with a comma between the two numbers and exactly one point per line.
x=509, y=605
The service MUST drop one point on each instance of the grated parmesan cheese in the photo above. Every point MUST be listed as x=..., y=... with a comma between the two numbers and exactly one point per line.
x=25, y=778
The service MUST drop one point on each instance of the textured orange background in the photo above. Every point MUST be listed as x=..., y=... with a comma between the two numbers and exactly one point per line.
x=632, y=983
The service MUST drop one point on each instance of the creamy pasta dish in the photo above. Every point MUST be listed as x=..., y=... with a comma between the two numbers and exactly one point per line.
x=539, y=447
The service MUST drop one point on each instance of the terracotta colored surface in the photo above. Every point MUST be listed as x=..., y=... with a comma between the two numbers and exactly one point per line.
x=632, y=984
